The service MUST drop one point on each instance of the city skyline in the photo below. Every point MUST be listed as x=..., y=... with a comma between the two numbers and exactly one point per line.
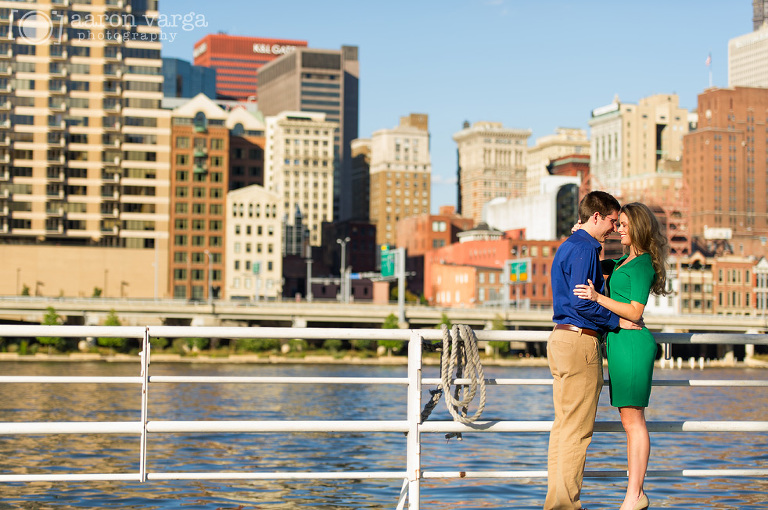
x=529, y=66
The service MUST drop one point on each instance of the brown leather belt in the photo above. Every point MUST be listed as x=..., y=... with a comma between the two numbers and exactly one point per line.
x=583, y=331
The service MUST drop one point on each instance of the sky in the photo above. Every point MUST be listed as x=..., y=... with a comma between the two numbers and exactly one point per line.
x=535, y=65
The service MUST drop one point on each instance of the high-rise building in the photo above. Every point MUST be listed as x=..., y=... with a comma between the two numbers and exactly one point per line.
x=246, y=148
x=319, y=81
x=237, y=60
x=182, y=79
x=565, y=142
x=747, y=59
x=361, y=179
x=199, y=183
x=400, y=175
x=84, y=145
x=492, y=164
x=254, y=253
x=724, y=166
x=298, y=165
x=759, y=13
x=636, y=155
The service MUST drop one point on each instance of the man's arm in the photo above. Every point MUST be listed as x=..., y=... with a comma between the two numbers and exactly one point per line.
x=585, y=267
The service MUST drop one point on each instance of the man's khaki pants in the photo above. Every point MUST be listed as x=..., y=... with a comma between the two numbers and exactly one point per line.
x=577, y=368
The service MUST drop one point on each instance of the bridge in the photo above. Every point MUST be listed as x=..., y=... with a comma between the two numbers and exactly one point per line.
x=141, y=312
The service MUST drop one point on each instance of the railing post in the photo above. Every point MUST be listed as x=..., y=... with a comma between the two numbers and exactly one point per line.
x=144, y=405
x=414, y=419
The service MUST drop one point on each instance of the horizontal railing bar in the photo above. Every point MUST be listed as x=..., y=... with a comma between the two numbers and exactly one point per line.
x=656, y=382
x=301, y=426
x=372, y=475
x=342, y=380
x=13, y=330
x=669, y=473
x=284, y=475
x=120, y=477
x=69, y=427
x=277, y=380
x=68, y=379
x=278, y=426
x=343, y=334
x=600, y=426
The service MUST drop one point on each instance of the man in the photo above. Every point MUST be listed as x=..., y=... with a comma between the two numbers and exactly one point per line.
x=573, y=349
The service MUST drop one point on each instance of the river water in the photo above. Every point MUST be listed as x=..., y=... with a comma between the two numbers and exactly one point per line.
x=206, y=452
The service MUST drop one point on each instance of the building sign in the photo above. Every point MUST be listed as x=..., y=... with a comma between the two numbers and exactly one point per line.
x=273, y=49
x=199, y=50
x=613, y=107
x=518, y=270
x=712, y=233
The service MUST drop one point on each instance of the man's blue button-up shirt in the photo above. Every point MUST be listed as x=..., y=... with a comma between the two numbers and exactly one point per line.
x=576, y=261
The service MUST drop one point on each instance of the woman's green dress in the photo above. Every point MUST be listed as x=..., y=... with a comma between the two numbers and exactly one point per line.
x=631, y=353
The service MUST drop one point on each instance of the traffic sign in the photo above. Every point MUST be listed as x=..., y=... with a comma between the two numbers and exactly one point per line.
x=256, y=267
x=388, y=259
x=518, y=270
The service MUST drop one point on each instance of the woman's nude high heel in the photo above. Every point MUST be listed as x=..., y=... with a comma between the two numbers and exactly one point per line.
x=643, y=503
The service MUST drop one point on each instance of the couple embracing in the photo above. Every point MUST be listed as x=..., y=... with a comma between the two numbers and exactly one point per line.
x=585, y=308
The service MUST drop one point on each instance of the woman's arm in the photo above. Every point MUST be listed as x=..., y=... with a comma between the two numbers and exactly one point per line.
x=632, y=311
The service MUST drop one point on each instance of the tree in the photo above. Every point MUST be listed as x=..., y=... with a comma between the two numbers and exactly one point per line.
x=112, y=343
x=51, y=318
x=25, y=290
x=391, y=322
x=498, y=346
x=444, y=320
x=96, y=292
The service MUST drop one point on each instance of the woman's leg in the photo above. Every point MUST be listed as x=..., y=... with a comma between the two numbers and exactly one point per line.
x=638, y=452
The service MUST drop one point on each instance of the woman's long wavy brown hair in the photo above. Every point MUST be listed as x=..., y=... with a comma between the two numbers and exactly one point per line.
x=647, y=237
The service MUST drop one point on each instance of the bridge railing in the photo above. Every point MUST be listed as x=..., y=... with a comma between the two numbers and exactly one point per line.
x=413, y=425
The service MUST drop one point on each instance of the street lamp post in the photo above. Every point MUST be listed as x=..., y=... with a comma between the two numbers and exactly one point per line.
x=343, y=272
x=18, y=280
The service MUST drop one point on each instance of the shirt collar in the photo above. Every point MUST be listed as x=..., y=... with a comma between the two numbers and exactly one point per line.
x=588, y=237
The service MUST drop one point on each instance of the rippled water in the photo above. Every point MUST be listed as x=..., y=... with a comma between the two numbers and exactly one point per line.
x=349, y=452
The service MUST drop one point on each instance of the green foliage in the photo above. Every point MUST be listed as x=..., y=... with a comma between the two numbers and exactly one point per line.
x=114, y=344
x=158, y=343
x=410, y=297
x=332, y=344
x=498, y=324
x=444, y=320
x=25, y=290
x=298, y=344
x=257, y=344
x=96, y=292
x=363, y=344
x=198, y=344
x=51, y=318
x=391, y=322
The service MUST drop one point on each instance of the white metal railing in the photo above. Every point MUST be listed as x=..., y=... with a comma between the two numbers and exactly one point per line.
x=412, y=426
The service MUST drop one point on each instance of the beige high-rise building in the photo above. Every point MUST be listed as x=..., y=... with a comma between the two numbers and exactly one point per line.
x=636, y=150
x=84, y=145
x=565, y=142
x=400, y=175
x=491, y=164
x=747, y=57
x=299, y=166
x=254, y=252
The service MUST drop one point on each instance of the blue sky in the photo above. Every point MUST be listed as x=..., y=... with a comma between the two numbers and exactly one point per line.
x=527, y=64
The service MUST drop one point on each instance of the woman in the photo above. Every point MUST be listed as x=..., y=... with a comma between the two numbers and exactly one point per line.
x=631, y=353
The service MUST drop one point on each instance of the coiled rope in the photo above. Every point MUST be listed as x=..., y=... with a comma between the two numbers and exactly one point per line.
x=464, y=356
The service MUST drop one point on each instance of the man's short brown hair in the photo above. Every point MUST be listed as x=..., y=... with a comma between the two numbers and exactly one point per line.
x=597, y=201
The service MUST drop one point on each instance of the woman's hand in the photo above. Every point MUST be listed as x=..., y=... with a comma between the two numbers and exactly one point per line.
x=586, y=291
x=576, y=226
